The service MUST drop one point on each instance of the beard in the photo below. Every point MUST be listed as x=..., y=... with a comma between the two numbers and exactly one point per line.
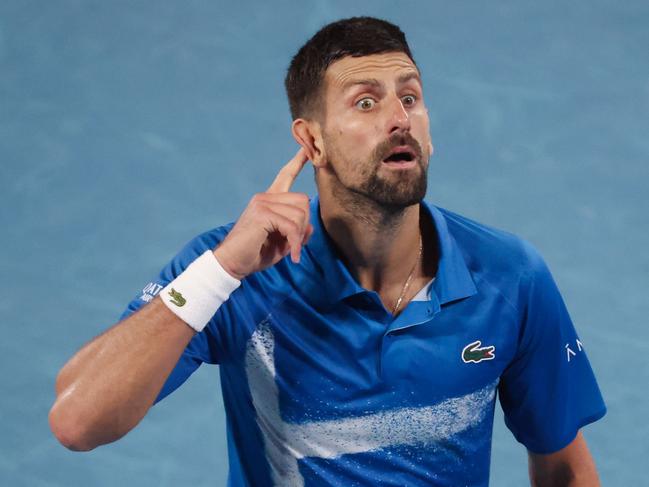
x=391, y=190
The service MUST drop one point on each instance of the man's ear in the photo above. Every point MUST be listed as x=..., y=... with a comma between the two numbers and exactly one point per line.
x=307, y=134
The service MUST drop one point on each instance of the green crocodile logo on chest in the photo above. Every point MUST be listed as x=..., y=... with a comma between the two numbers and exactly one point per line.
x=474, y=353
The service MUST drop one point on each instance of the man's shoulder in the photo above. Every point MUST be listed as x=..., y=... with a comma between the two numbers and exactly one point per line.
x=489, y=248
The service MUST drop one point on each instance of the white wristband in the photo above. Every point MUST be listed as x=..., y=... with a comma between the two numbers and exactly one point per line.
x=198, y=292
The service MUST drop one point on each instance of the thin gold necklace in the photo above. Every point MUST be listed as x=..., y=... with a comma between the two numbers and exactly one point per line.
x=405, y=286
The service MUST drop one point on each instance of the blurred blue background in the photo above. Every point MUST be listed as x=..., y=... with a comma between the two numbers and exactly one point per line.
x=128, y=127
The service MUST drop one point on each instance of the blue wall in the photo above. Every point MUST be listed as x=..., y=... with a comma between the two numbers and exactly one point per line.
x=128, y=127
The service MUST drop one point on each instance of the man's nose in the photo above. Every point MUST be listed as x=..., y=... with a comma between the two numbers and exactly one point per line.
x=399, y=119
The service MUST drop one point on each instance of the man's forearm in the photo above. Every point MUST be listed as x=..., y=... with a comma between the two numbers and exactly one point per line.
x=566, y=476
x=573, y=466
x=108, y=386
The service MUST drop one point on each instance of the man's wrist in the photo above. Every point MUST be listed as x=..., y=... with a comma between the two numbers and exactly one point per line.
x=221, y=257
x=198, y=292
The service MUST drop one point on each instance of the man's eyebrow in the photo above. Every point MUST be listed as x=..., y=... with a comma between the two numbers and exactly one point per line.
x=366, y=82
x=404, y=78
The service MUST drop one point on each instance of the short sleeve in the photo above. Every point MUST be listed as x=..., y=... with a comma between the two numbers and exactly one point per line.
x=549, y=390
x=204, y=346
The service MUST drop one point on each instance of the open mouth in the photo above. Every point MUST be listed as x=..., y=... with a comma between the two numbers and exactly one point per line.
x=402, y=157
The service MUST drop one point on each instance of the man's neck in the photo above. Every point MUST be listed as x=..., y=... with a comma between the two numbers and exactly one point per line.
x=380, y=245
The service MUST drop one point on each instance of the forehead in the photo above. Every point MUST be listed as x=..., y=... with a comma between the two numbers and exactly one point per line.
x=387, y=65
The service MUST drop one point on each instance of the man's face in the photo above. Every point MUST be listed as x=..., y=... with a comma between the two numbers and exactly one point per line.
x=375, y=133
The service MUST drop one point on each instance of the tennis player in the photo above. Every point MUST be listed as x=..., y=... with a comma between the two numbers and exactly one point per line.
x=362, y=334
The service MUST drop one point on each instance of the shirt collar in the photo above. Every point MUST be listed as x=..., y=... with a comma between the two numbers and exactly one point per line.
x=452, y=282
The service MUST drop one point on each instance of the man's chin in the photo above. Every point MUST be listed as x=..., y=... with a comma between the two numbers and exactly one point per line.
x=398, y=203
x=397, y=196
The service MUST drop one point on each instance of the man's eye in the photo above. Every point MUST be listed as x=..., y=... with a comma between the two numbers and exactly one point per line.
x=409, y=100
x=365, y=104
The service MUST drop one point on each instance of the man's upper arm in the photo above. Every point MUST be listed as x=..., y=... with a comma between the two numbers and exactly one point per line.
x=548, y=391
x=571, y=466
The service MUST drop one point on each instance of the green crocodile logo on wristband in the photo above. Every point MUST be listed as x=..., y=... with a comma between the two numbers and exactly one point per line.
x=473, y=353
x=177, y=298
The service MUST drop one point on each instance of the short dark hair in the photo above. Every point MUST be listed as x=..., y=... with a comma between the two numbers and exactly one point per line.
x=356, y=37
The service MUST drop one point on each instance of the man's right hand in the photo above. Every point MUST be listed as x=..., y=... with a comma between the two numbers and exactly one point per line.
x=273, y=224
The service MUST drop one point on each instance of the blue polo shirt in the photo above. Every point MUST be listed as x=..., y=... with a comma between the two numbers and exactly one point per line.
x=322, y=386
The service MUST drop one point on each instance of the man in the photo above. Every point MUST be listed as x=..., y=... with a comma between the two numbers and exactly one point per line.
x=372, y=355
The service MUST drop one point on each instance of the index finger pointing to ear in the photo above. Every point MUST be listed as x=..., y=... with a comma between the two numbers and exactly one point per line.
x=287, y=175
